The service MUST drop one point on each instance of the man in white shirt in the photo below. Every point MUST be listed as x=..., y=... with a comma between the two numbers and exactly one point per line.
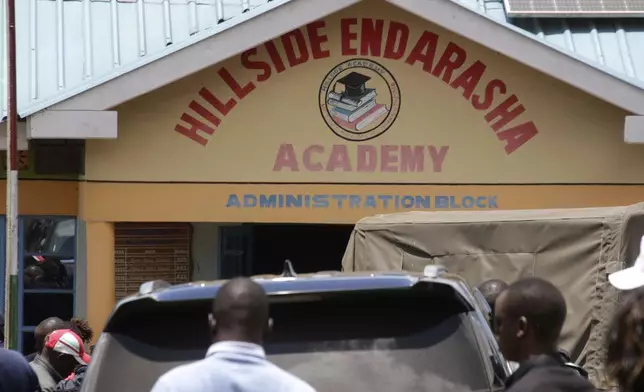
x=236, y=361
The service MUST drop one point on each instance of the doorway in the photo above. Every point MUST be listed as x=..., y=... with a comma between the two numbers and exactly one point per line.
x=310, y=248
x=258, y=249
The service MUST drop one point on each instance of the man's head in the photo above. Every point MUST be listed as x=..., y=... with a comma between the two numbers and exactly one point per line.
x=64, y=351
x=625, y=347
x=529, y=315
x=33, y=275
x=81, y=328
x=46, y=327
x=491, y=290
x=240, y=312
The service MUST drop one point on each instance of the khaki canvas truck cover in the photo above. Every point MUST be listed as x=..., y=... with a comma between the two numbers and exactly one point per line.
x=575, y=249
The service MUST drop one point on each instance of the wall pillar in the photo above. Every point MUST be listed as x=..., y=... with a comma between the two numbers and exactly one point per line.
x=80, y=279
x=100, y=273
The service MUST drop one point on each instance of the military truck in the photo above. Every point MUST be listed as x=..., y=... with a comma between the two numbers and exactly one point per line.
x=575, y=249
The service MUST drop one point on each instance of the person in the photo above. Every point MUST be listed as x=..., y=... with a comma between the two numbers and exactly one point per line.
x=491, y=289
x=82, y=329
x=43, y=329
x=34, y=277
x=74, y=381
x=529, y=316
x=62, y=353
x=625, y=345
x=236, y=361
x=630, y=278
x=45, y=272
x=15, y=373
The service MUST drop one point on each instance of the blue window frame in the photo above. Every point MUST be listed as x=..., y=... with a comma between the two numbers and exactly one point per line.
x=47, y=273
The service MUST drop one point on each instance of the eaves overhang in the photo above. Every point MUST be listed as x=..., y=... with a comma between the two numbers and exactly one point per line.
x=281, y=16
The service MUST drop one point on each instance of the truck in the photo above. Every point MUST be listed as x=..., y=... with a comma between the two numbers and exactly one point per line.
x=576, y=249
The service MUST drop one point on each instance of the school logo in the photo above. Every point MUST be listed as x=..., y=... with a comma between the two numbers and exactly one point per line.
x=359, y=100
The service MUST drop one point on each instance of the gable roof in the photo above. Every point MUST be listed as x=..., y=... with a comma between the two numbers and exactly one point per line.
x=524, y=47
x=615, y=44
x=113, y=61
x=249, y=28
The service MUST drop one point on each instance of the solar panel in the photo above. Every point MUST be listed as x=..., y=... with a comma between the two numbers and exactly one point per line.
x=575, y=8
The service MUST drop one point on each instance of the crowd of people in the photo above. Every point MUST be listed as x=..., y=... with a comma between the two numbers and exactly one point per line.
x=58, y=362
x=527, y=317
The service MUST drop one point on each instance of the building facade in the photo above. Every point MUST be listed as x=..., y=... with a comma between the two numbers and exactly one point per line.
x=267, y=134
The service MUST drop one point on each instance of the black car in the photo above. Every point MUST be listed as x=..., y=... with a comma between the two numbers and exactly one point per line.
x=340, y=332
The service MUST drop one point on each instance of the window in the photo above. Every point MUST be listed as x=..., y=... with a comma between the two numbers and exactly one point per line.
x=389, y=340
x=378, y=342
x=63, y=157
x=48, y=265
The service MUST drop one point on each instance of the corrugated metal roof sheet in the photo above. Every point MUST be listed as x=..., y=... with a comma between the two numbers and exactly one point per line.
x=67, y=46
x=615, y=44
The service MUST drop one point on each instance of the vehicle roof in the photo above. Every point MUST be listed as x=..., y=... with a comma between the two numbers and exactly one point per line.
x=320, y=282
x=472, y=217
x=137, y=334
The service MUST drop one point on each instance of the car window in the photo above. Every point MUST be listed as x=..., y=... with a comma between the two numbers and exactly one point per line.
x=379, y=342
x=393, y=340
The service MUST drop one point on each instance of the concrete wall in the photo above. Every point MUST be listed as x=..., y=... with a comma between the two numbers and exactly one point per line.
x=205, y=251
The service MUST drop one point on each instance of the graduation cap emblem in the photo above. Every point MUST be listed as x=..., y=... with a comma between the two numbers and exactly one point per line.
x=354, y=84
x=350, y=103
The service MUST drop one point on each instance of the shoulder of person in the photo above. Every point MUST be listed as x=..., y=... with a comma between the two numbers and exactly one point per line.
x=41, y=372
x=178, y=373
x=175, y=379
x=552, y=379
x=167, y=383
x=555, y=387
x=36, y=366
x=300, y=385
x=297, y=384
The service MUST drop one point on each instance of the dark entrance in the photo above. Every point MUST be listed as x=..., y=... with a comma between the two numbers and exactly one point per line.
x=310, y=248
x=254, y=249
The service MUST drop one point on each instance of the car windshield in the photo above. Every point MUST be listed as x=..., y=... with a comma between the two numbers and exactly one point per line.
x=399, y=340
x=402, y=341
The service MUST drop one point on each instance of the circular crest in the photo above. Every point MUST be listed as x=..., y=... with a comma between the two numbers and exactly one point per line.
x=359, y=100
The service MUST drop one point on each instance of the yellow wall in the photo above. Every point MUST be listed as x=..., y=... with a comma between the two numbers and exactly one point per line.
x=281, y=134
x=100, y=273
x=207, y=202
x=279, y=139
x=44, y=197
x=579, y=137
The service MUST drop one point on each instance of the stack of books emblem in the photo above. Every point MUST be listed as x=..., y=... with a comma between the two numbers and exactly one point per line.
x=355, y=108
